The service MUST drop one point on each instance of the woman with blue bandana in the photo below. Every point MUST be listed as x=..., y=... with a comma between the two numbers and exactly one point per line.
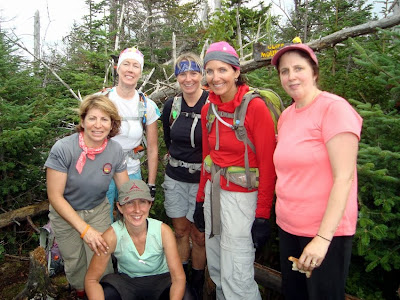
x=183, y=138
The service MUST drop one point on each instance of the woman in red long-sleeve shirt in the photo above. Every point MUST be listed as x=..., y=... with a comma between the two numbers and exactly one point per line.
x=235, y=219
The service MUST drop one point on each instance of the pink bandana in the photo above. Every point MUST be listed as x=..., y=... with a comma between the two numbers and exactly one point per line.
x=89, y=152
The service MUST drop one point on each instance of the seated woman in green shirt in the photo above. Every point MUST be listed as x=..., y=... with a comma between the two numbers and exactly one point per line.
x=149, y=266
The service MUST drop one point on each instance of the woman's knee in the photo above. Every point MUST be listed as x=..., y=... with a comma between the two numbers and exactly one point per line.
x=198, y=238
x=181, y=228
x=110, y=292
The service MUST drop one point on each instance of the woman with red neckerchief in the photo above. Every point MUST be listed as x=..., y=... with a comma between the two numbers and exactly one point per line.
x=79, y=170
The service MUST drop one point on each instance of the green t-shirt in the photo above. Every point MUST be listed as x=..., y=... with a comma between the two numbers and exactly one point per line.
x=151, y=262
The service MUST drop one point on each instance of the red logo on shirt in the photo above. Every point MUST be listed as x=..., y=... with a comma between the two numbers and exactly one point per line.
x=107, y=168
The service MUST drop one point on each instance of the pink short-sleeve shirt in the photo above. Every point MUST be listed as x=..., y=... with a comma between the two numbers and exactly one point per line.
x=304, y=176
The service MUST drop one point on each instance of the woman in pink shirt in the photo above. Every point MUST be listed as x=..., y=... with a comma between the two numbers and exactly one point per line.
x=315, y=162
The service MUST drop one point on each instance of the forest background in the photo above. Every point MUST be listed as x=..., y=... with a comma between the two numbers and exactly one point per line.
x=38, y=101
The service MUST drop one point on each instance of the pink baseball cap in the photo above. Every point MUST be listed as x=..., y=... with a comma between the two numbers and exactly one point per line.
x=301, y=47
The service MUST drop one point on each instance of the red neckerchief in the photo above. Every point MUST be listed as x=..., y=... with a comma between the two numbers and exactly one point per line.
x=89, y=152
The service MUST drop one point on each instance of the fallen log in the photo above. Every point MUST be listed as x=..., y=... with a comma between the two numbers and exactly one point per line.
x=268, y=278
x=21, y=214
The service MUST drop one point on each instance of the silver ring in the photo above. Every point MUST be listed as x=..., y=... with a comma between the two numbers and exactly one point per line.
x=314, y=264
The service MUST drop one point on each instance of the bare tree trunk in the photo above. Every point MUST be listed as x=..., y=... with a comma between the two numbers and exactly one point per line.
x=90, y=23
x=121, y=19
x=204, y=13
x=238, y=29
x=396, y=7
x=36, y=36
x=217, y=4
x=305, y=21
x=149, y=24
x=114, y=21
x=21, y=214
x=173, y=48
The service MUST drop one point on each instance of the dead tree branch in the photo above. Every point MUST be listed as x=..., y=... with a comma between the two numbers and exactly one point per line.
x=47, y=66
x=333, y=39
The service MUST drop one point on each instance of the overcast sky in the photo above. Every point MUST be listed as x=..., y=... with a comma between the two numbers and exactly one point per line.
x=56, y=17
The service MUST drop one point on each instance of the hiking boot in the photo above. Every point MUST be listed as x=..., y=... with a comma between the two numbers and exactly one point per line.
x=197, y=283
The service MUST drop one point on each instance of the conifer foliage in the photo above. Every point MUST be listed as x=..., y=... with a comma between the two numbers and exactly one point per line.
x=377, y=239
x=35, y=108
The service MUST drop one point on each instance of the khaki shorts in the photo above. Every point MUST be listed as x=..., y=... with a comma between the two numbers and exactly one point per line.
x=180, y=198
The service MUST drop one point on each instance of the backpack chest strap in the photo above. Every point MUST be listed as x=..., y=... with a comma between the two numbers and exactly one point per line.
x=192, y=115
x=196, y=118
x=130, y=118
x=224, y=114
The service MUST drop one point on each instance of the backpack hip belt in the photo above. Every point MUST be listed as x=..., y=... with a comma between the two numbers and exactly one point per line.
x=234, y=174
x=136, y=153
x=192, y=167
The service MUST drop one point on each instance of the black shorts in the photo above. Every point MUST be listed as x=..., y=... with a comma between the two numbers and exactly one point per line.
x=146, y=287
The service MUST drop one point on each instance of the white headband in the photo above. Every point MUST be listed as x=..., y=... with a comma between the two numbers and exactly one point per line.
x=131, y=53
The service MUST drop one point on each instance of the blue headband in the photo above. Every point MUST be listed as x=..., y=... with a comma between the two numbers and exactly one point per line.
x=185, y=66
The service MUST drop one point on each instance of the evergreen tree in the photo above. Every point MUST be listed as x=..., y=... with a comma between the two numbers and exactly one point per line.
x=28, y=122
x=377, y=239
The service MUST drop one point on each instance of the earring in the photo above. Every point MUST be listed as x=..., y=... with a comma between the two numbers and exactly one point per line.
x=236, y=80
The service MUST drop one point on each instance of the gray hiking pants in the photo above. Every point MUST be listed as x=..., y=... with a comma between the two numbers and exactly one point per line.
x=230, y=256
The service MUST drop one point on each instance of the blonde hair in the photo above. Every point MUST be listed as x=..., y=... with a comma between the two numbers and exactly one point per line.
x=106, y=105
x=190, y=57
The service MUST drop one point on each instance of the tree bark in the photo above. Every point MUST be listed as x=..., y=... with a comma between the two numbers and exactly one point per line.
x=39, y=285
x=21, y=214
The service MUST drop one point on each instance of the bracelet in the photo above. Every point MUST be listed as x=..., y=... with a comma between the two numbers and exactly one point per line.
x=84, y=232
x=324, y=238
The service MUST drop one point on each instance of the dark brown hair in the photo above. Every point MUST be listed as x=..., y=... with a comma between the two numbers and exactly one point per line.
x=307, y=57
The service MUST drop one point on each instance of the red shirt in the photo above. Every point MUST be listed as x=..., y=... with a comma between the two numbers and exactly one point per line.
x=260, y=131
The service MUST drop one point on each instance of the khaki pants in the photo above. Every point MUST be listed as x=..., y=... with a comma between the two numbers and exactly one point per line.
x=75, y=252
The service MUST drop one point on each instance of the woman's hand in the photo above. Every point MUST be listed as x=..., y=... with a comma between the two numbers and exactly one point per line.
x=95, y=241
x=313, y=254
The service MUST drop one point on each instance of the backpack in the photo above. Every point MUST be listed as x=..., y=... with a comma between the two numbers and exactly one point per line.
x=274, y=104
x=138, y=152
x=55, y=262
x=176, y=112
x=142, y=108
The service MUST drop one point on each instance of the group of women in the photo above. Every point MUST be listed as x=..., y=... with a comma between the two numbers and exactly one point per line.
x=310, y=165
